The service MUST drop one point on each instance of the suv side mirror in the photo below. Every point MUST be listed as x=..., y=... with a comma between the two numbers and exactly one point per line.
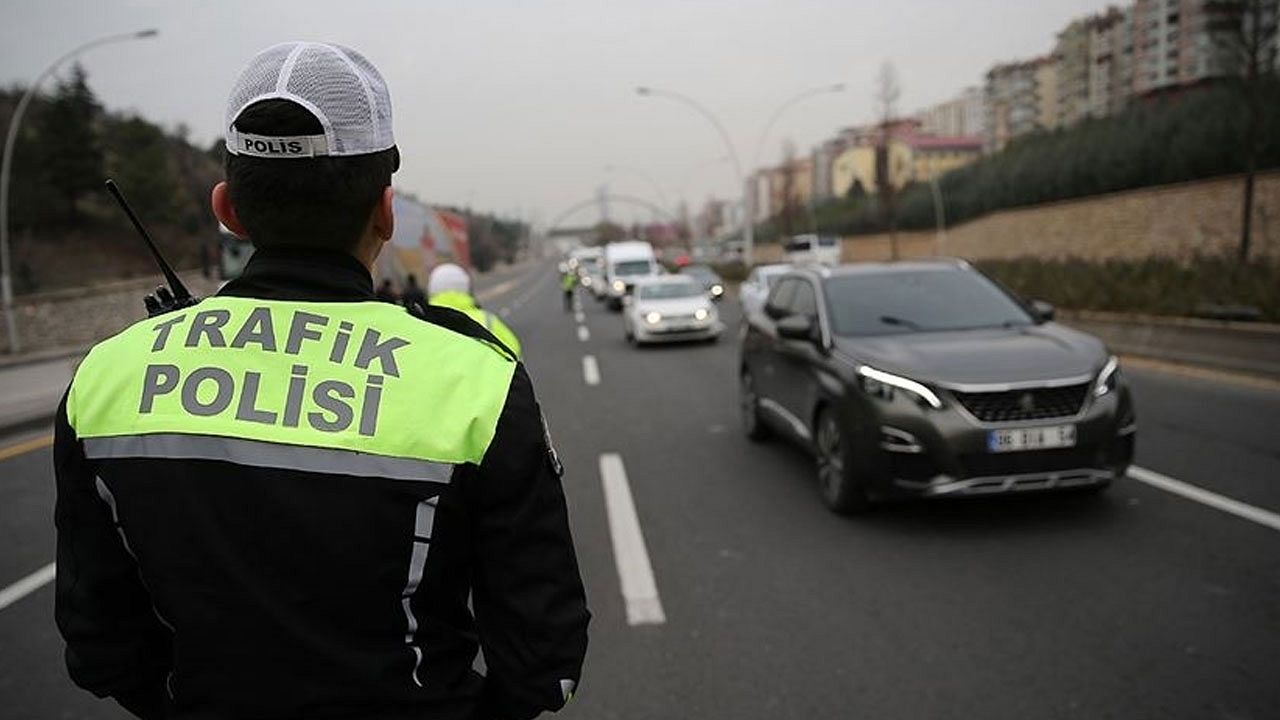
x=1043, y=311
x=796, y=327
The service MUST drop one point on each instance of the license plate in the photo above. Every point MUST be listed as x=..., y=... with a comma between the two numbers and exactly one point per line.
x=1038, y=438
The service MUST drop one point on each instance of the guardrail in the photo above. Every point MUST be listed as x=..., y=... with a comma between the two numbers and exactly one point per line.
x=1252, y=348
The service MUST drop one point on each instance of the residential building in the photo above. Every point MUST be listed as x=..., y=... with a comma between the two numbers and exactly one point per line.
x=791, y=182
x=1183, y=42
x=961, y=115
x=1020, y=97
x=1074, y=66
x=824, y=157
x=913, y=156
x=1110, y=61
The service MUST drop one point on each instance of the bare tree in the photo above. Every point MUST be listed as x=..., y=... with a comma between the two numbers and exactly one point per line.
x=787, y=190
x=888, y=90
x=1250, y=44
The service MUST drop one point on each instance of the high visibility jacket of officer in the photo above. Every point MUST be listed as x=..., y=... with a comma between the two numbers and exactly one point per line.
x=450, y=286
x=287, y=500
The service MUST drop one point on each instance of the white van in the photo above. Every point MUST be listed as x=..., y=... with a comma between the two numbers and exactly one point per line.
x=624, y=263
x=812, y=249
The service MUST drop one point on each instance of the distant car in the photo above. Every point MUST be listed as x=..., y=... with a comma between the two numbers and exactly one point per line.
x=756, y=287
x=812, y=249
x=624, y=264
x=668, y=309
x=926, y=379
x=709, y=278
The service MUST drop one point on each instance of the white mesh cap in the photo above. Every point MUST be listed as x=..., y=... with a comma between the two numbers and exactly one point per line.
x=448, y=278
x=338, y=85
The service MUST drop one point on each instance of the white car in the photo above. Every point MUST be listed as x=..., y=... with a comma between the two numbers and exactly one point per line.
x=670, y=308
x=755, y=288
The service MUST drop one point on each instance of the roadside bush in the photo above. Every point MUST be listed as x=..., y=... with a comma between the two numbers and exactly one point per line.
x=1155, y=286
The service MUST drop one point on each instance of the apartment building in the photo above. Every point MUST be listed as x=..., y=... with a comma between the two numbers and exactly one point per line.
x=1020, y=97
x=963, y=115
x=1183, y=42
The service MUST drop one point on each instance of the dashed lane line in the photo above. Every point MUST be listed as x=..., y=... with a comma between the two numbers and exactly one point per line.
x=25, y=447
x=590, y=370
x=635, y=572
x=583, y=333
x=27, y=585
x=1265, y=518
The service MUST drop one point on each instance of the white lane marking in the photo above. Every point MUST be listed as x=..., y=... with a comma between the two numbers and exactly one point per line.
x=635, y=572
x=590, y=370
x=579, y=317
x=583, y=333
x=27, y=585
x=528, y=293
x=1205, y=497
x=498, y=289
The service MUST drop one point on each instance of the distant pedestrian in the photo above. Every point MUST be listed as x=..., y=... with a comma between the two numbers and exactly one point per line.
x=412, y=295
x=386, y=292
x=567, y=283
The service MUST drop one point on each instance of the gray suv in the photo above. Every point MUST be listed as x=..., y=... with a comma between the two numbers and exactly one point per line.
x=927, y=379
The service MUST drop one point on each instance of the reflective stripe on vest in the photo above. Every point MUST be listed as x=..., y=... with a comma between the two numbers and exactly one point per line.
x=365, y=379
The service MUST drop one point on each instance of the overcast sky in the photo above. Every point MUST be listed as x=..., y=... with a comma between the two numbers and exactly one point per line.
x=519, y=105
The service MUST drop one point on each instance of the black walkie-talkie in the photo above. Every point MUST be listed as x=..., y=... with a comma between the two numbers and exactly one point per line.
x=163, y=300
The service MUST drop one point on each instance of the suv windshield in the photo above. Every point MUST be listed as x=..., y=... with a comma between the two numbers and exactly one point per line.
x=918, y=301
x=632, y=267
x=667, y=290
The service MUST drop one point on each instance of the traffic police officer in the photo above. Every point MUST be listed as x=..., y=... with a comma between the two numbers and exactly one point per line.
x=450, y=286
x=286, y=500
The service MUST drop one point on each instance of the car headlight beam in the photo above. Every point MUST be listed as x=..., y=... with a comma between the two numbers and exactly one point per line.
x=1108, y=378
x=619, y=286
x=876, y=381
x=653, y=318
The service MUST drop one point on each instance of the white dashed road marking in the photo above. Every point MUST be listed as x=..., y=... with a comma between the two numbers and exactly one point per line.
x=583, y=333
x=27, y=585
x=1205, y=497
x=590, y=370
x=635, y=572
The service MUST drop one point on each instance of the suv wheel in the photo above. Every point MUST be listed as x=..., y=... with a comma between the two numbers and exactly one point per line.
x=841, y=491
x=749, y=403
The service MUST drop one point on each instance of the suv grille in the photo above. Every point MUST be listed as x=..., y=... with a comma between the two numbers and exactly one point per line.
x=1028, y=404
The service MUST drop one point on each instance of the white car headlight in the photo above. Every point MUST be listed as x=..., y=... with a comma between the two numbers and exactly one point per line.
x=653, y=318
x=619, y=286
x=717, y=290
x=1108, y=378
x=586, y=281
x=881, y=384
x=701, y=314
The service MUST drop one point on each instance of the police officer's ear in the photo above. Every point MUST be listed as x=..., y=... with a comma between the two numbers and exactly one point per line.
x=384, y=219
x=225, y=212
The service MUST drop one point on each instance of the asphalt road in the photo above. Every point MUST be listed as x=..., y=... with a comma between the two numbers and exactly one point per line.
x=1136, y=604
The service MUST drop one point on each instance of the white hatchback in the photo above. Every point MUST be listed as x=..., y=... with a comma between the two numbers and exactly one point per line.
x=670, y=308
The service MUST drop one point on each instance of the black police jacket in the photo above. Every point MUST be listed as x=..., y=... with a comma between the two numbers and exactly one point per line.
x=219, y=588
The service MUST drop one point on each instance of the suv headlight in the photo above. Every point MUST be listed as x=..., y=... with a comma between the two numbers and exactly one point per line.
x=717, y=290
x=701, y=314
x=1108, y=379
x=619, y=286
x=653, y=318
x=881, y=384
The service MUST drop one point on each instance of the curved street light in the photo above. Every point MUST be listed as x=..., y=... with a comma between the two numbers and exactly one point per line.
x=748, y=193
x=6, y=279
x=777, y=114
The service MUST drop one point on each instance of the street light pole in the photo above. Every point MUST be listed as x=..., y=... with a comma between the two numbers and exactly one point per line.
x=6, y=277
x=748, y=192
x=748, y=226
